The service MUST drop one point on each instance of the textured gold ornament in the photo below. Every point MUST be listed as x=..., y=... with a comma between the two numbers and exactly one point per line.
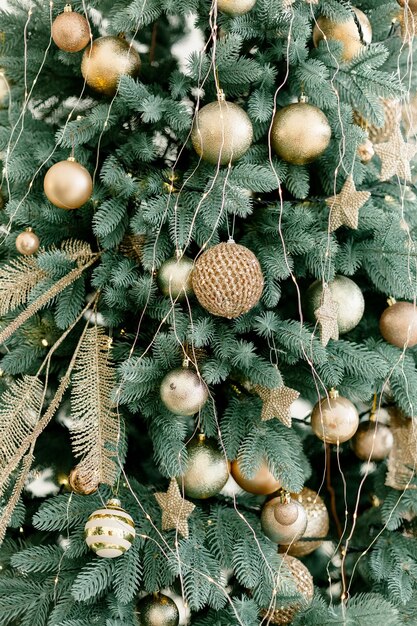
x=398, y=324
x=392, y=118
x=183, y=391
x=174, y=277
x=206, y=471
x=395, y=156
x=345, y=293
x=110, y=531
x=283, y=520
x=276, y=402
x=402, y=461
x=68, y=185
x=83, y=485
x=132, y=247
x=346, y=32
x=372, y=442
x=300, y=133
x=27, y=243
x=235, y=7
x=157, y=610
x=106, y=61
x=227, y=280
x=344, y=207
x=411, y=5
x=175, y=509
x=366, y=151
x=326, y=316
x=334, y=419
x=317, y=524
x=70, y=31
x=262, y=483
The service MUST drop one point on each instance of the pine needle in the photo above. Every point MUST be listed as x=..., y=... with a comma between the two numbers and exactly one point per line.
x=16, y=282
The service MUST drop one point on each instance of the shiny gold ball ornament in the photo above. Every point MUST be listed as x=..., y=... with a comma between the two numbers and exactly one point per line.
x=70, y=31
x=82, y=484
x=398, y=324
x=346, y=295
x=207, y=469
x=27, y=243
x=300, y=133
x=110, y=531
x=334, y=419
x=157, y=610
x=283, y=519
x=183, y=391
x=262, y=483
x=227, y=280
x=106, y=61
x=222, y=132
x=174, y=277
x=317, y=523
x=348, y=33
x=68, y=185
x=235, y=7
x=373, y=441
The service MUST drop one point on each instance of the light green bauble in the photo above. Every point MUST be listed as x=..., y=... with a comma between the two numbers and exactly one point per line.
x=346, y=294
x=157, y=610
x=174, y=277
x=235, y=7
x=207, y=469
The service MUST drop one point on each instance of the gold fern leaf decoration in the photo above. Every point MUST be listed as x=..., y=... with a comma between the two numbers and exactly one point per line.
x=17, y=279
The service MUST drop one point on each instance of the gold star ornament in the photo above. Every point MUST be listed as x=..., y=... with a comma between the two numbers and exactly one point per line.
x=344, y=207
x=175, y=509
x=395, y=155
x=326, y=315
x=276, y=402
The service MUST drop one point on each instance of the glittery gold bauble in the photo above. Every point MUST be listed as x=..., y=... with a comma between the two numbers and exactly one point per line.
x=110, y=531
x=174, y=277
x=366, y=151
x=392, y=118
x=346, y=32
x=317, y=523
x=81, y=484
x=262, y=483
x=372, y=441
x=334, y=419
x=235, y=7
x=300, y=133
x=346, y=294
x=27, y=242
x=398, y=324
x=106, y=61
x=157, y=610
x=183, y=392
x=283, y=521
x=70, y=31
x=68, y=185
x=206, y=471
x=282, y=615
x=222, y=132
x=227, y=280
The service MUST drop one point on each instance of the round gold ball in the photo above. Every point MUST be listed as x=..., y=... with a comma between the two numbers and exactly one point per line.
x=71, y=31
x=346, y=294
x=334, y=420
x=110, y=531
x=392, y=118
x=366, y=151
x=106, y=61
x=82, y=484
x=183, y=392
x=27, y=243
x=317, y=523
x=372, y=442
x=300, y=133
x=68, y=185
x=227, y=280
x=157, y=610
x=262, y=483
x=206, y=471
x=346, y=32
x=283, y=522
x=398, y=324
x=222, y=132
x=174, y=278
x=235, y=7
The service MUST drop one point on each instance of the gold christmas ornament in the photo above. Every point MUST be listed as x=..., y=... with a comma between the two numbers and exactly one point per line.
x=300, y=133
x=317, y=524
x=227, y=280
x=398, y=324
x=183, y=391
x=347, y=32
x=68, y=185
x=395, y=156
x=326, y=316
x=283, y=520
x=366, y=151
x=132, y=247
x=345, y=294
x=277, y=402
x=174, y=277
x=408, y=4
x=70, y=31
x=27, y=243
x=262, y=483
x=157, y=610
x=344, y=207
x=222, y=132
x=372, y=441
x=392, y=119
x=408, y=22
x=110, y=531
x=235, y=7
x=81, y=484
x=106, y=61
x=334, y=419
x=206, y=471
x=175, y=509
x=402, y=459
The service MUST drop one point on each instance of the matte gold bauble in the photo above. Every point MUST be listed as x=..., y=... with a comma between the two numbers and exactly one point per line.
x=27, y=243
x=82, y=484
x=300, y=133
x=372, y=441
x=157, y=610
x=398, y=324
x=227, y=280
x=106, y=61
x=334, y=419
x=317, y=523
x=392, y=118
x=68, y=185
x=174, y=277
x=262, y=483
x=346, y=32
x=206, y=471
x=283, y=521
x=366, y=151
x=110, y=531
x=70, y=31
x=345, y=293
x=183, y=391
x=222, y=132
x=235, y=7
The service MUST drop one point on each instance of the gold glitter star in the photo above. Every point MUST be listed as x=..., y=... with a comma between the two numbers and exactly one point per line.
x=395, y=156
x=276, y=402
x=344, y=208
x=326, y=315
x=175, y=509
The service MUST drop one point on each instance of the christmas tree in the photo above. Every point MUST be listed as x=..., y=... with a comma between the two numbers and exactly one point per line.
x=208, y=313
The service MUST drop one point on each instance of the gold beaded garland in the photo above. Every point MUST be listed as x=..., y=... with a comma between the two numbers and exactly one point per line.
x=27, y=243
x=70, y=31
x=106, y=61
x=68, y=185
x=398, y=324
x=346, y=32
x=110, y=531
x=334, y=419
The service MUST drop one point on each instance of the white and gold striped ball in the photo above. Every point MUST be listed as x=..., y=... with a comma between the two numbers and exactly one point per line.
x=110, y=531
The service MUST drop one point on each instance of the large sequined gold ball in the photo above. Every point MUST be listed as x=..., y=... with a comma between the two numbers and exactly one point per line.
x=398, y=324
x=81, y=483
x=227, y=280
x=235, y=7
x=70, y=31
x=392, y=118
x=373, y=441
x=283, y=522
x=157, y=610
x=174, y=277
x=110, y=531
x=183, y=391
x=345, y=293
x=206, y=471
x=300, y=133
x=346, y=32
x=317, y=523
x=263, y=482
x=106, y=61
x=68, y=185
x=222, y=132
x=27, y=243
x=334, y=419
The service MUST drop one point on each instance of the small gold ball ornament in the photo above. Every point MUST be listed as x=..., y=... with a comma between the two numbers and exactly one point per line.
x=300, y=133
x=334, y=419
x=110, y=531
x=262, y=483
x=27, y=243
x=366, y=151
x=346, y=32
x=206, y=471
x=398, y=324
x=106, y=61
x=183, y=391
x=373, y=441
x=157, y=610
x=317, y=523
x=82, y=484
x=235, y=7
x=347, y=296
x=70, y=31
x=68, y=185
x=174, y=277
x=283, y=519
x=227, y=280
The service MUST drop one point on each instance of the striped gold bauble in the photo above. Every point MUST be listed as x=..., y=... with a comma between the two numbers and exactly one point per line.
x=110, y=531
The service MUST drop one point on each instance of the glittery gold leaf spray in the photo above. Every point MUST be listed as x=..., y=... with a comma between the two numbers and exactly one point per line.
x=18, y=486
x=326, y=315
x=395, y=156
x=402, y=460
x=276, y=402
x=175, y=509
x=17, y=279
x=344, y=207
